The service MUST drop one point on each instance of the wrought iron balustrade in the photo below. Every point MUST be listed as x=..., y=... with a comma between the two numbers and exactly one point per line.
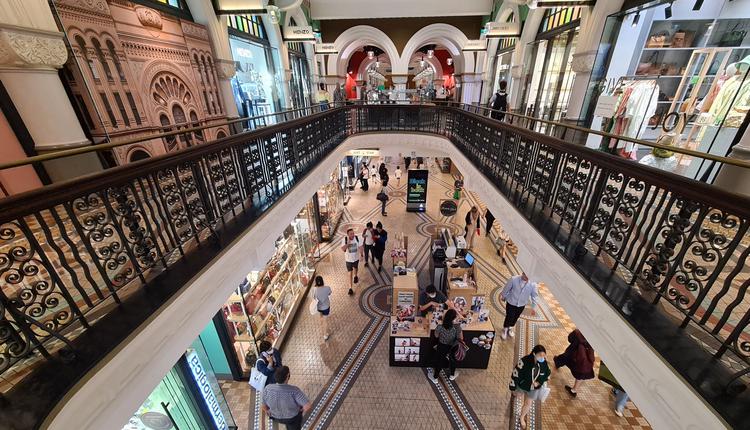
x=670, y=254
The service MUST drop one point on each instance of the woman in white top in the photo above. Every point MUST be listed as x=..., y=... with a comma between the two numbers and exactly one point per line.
x=398, y=176
x=369, y=238
x=323, y=297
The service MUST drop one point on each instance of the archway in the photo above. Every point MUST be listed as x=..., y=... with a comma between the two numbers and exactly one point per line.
x=137, y=155
x=444, y=35
x=352, y=40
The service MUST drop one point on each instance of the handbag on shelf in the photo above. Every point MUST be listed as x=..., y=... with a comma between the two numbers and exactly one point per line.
x=658, y=40
x=682, y=39
x=646, y=67
x=733, y=37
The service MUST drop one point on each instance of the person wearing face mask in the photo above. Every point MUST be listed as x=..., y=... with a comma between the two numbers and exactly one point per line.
x=269, y=361
x=528, y=377
x=431, y=299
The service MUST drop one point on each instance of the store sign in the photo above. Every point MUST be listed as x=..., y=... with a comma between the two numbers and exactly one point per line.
x=503, y=29
x=475, y=45
x=326, y=48
x=244, y=53
x=236, y=6
x=204, y=386
x=299, y=33
x=416, y=191
x=605, y=106
x=448, y=208
x=364, y=153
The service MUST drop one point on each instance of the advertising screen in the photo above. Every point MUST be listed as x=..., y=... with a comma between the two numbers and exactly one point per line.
x=416, y=192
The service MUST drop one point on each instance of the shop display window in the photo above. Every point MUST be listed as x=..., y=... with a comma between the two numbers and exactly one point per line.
x=263, y=303
x=257, y=82
x=330, y=206
x=678, y=78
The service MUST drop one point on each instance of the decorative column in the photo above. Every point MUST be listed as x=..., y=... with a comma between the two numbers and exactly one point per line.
x=31, y=52
x=203, y=13
x=472, y=83
x=592, y=26
x=399, y=85
x=733, y=178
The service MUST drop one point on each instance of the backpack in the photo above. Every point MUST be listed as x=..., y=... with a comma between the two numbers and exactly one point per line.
x=501, y=101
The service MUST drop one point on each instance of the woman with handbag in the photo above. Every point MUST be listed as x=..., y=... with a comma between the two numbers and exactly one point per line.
x=529, y=379
x=269, y=361
x=322, y=294
x=579, y=357
x=449, y=336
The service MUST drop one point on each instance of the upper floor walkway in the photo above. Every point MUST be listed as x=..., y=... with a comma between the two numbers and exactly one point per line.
x=85, y=264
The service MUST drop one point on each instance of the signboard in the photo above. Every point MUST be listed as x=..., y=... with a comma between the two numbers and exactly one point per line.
x=416, y=190
x=364, y=152
x=223, y=7
x=325, y=48
x=298, y=33
x=503, y=29
x=475, y=45
x=448, y=208
x=204, y=386
x=605, y=106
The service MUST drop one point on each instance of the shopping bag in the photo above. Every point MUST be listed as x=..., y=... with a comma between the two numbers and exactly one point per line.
x=313, y=307
x=257, y=379
x=544, y=392
x=460, y=352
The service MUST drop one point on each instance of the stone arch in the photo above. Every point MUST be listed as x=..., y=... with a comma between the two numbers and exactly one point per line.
x=151, y=73
x=221, y=134
x=434, y=62
x=367, y=62
x=137, y=153
x=355, y=38
x=445, y=35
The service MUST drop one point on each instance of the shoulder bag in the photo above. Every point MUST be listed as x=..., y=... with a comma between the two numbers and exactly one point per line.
x=544, y=391
x=257, y=378
x=461, y=350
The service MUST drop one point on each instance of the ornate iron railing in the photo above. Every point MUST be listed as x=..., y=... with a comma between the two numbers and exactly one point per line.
x=670, y=254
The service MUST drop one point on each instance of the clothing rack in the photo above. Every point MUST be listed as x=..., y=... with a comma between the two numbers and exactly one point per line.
x=639, y=78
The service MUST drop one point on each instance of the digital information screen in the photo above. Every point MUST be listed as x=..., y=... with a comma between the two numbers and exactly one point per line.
x=416, y=190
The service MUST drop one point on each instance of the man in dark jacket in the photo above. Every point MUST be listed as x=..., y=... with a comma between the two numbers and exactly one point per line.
x=499, y=102
x=380, y=240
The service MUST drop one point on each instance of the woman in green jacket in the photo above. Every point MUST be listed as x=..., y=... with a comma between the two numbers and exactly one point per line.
x=531, y=373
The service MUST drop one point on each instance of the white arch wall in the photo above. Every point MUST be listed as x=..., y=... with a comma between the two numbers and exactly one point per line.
x=446, y=35
x=108, y=395
x=354, y=38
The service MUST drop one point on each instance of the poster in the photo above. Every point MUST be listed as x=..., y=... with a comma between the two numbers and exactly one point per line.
x=416, y=191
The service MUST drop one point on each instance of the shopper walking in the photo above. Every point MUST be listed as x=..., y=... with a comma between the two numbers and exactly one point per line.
x=364, y=177
x=384, y=178
x=397, y=174
x=448, y=335
x=381, y=237
x=472, y=220
x=269, y=361
x=350, y=176
x=352, y=250
x=368, y=237
x=499, y=102
x=324, y=98
x=579, y=358
x=621, y=397
x=407, y=162
x=528, y=379
x=516, y=295
x=322, y=294
x=502, y=245
x=489, y=219
x=383, y=198
x=285, y=403
x=375, y=178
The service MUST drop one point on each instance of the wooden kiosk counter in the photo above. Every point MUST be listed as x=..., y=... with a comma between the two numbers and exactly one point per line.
x=412, y=337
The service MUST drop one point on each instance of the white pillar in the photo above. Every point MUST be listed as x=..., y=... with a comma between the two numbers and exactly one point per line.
x=203, y=13
x=592, y=26
x=528, y=35
x=399, y=84
x=732, y=178
x=471, y=87
x=31, y=51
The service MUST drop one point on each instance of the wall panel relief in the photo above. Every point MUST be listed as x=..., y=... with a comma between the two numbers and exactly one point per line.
x=129, y=80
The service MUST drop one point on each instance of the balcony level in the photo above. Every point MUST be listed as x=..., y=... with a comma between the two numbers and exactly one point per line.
x=105, y=279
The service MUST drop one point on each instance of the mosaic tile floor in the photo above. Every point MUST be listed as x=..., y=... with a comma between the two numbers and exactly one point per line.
x=348, y=376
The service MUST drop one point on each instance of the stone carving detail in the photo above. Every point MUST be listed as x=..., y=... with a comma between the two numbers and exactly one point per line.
x=148, y=17
x=583, y=62
x=225, y=69
x=32, y=50
x=95, y=5
x=196, y=31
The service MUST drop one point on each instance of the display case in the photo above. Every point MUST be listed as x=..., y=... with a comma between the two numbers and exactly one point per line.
x=330, y=207
x=263, y=304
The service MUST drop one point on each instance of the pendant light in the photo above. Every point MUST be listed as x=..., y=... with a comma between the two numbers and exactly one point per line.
x=421, y=62
x=636, y=18
x=668, y=11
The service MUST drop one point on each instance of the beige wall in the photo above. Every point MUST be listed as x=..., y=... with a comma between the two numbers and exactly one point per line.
x=20, y=179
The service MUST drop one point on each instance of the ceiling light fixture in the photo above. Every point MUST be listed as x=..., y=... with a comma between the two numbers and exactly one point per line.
x=377, y=62
x=698, y=5
x=668, y=11
x=371, y=54
x=274, y=13
x=430, y=53
x=449, y=61
x=636, y=18
x=421, y=62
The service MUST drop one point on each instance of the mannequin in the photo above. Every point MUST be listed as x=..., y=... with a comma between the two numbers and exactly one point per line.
x=725, y=103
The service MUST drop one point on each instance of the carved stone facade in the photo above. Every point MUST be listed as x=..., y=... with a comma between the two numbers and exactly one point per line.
x=21, y=47
x=135, y=71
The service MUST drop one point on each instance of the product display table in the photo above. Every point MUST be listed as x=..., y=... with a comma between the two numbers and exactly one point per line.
x=411, y=342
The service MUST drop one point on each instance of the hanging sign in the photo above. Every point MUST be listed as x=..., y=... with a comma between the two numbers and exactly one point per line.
x=416, y=190
x=325, y=48
x=475, y=45
x=204, y=386
x=605, y=106
x=448, y=208
x=503, y=29
x=298, y=33
x=364, y=152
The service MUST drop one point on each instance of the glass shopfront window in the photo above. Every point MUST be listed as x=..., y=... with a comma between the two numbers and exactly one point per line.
x=258, y=82
x=300, y=83
x=672, y=75
x=549, y=78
